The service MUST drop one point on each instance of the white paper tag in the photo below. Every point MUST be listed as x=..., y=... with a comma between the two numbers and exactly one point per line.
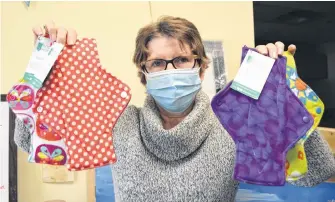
x=42, y=59
x=252, y=75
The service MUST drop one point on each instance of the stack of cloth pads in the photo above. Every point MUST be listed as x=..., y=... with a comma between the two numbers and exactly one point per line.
x=72, y=114
x=270, y=132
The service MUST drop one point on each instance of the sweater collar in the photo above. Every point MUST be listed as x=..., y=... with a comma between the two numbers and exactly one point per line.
x=182, y=140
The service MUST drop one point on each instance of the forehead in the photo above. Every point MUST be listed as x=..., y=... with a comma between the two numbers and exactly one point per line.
x=167, y=48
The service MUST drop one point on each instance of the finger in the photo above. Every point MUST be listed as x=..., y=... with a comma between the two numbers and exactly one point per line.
x=52, y=30
x=61, y=35
x=262, y=49
x=38, y=31
x=292, y=49
x=71, y=36
x=280, y=47
x=272, y=50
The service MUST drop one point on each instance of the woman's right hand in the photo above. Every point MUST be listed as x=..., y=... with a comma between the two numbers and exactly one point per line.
x=58, y=34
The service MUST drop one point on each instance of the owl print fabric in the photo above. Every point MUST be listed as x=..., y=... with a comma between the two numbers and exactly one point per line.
x=21, y=98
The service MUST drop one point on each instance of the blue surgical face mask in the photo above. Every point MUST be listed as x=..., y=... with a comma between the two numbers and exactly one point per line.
x=174, y=90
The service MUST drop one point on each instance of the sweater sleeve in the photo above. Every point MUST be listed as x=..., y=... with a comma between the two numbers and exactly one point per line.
x=321, y=161
x=22, y=135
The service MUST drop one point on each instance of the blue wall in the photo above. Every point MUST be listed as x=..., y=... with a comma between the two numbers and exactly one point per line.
x=324, y=192
x=104, y=184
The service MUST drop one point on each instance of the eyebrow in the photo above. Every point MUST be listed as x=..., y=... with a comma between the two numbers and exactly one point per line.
x=161, y=58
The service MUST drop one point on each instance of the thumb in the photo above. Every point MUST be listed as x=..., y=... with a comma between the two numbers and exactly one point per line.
x=292, y=49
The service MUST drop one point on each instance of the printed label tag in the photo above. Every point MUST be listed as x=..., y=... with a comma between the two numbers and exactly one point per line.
x=44, y=55
x=252, y=75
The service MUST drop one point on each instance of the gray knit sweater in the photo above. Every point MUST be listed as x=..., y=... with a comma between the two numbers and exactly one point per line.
x=193, y=161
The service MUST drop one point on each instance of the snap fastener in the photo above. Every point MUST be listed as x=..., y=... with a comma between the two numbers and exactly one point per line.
x=39, y=109
x=305, y=119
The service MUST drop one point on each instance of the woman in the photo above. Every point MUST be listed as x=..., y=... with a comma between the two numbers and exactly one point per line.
x=174, y=148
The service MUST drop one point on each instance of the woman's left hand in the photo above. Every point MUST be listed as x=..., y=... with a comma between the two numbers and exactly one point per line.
x=273, y=50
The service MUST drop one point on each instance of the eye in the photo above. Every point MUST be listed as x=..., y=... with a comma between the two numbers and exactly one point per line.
x=157, y=63
x=182, y=60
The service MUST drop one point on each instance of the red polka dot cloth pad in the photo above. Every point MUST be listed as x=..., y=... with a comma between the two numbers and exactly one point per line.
x=82, y=102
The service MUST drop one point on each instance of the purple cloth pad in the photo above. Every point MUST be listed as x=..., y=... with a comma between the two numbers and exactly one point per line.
x=264, y=129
